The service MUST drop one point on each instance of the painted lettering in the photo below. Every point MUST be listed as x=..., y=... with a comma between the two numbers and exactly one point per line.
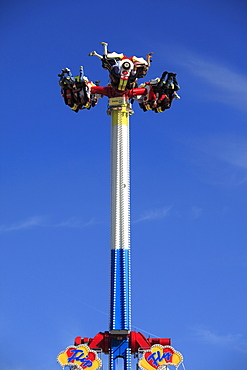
x=78, y=356
x=156, y=358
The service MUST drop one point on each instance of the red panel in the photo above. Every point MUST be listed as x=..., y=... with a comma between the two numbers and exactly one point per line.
x=136, y=340
x=113, y=93
x=100, y=341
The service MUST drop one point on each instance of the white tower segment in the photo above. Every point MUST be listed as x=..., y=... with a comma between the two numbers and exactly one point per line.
x=120, y=306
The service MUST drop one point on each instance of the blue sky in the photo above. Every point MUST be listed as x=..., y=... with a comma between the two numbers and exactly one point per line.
x=188, y=180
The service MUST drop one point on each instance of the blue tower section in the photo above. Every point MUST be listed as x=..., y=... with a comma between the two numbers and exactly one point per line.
x=120, y=315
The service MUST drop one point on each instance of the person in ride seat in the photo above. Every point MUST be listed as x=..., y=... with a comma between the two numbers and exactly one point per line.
x=76, y=90
x=166, y=91
x=115, y=64
x=159, y=93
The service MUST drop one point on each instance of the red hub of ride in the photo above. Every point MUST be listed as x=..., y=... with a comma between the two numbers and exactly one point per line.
x=136, y=340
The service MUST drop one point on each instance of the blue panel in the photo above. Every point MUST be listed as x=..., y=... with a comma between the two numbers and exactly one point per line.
x=120, y=314
x=120, y=348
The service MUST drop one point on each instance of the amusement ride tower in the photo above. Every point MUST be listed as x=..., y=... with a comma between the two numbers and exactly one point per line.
x=120, y=341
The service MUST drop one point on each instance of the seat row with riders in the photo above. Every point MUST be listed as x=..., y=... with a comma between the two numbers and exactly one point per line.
x=124, y=72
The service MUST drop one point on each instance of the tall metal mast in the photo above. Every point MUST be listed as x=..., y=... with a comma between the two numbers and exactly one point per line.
x=119, y=341
x=120, y=299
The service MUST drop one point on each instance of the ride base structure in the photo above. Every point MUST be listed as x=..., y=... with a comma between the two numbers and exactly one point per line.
x=120, y=341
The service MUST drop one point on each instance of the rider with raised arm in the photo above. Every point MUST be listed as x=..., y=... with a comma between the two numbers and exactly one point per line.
x=124, y=71
x=157, y=94
x=76, y=91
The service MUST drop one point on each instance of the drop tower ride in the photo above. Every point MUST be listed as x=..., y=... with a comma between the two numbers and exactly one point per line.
x=119, y=341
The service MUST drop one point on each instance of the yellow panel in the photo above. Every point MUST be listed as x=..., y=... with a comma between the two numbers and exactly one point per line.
x=113, y=102
x=145, y=365
x=63, y=358
x=120, y=117
x=176, y=358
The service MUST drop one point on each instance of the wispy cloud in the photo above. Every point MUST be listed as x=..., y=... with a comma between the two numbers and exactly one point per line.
x=225, y=156
x=75, y=223
x=23, y=225
x=223, y=340
x=229, y=155
x=153, y=214
x=231, y=149
x=227, y=85
x=196, y=212
x=36, y=221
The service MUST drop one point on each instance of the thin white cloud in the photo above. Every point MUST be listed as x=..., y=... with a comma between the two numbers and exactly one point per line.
x=230, y=151
x=227, y=85
x=23, y=225
x=153, y=215
x=75, y=223
x=223, y=340
x=34, y=222
x=222, y=157
x=196, y=212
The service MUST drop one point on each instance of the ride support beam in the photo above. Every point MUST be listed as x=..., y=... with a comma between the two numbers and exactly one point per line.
x=120, y=298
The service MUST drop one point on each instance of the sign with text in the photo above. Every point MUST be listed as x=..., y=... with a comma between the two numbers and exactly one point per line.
x=79, y=357
x=159, y=357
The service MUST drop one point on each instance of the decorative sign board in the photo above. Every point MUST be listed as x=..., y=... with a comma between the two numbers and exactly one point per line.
x=79, y=357
x=158, y=357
